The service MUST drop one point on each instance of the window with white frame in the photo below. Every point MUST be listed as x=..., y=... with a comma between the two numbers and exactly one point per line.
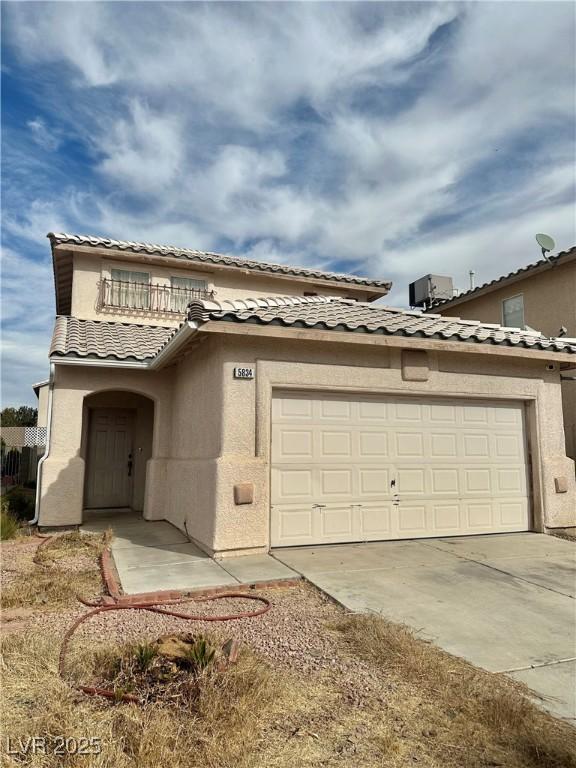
x=184, y=289
x=513, y=312
x=130, y=289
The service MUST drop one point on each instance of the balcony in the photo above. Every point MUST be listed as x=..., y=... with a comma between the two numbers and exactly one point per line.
x=147, y=297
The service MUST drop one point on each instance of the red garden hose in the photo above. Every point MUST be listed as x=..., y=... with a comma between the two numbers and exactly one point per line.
x=152, y=607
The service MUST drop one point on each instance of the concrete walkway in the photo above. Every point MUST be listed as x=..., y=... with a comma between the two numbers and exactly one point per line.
x=153, y=556
x=504, y=602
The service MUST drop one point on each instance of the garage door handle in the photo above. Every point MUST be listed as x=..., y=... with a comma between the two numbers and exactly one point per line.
x=318, y=506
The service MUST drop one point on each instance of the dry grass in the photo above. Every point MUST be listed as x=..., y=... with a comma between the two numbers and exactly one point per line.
x=221, y=729
x=51, y=590
x=57, y=585
x=476, y=709
x=390, y=700
x=71, y=545
x=9, y=526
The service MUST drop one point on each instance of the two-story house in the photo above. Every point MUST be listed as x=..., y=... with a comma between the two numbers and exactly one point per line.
x=256, y=405
x=540, y=295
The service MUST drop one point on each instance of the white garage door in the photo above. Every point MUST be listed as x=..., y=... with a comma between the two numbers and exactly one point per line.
x=361, y=469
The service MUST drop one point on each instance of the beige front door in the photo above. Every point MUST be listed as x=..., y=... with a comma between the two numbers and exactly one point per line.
x=351, y=468
x=109, y=469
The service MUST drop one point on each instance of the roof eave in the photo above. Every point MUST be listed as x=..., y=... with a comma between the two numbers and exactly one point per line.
x=470, y=346
x=566, y=257
x=68, y=249
x=162, y=358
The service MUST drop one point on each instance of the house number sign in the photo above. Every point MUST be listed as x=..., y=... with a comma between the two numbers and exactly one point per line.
x=243, y=373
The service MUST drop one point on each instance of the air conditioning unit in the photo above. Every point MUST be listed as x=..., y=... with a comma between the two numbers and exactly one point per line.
x=430, y=288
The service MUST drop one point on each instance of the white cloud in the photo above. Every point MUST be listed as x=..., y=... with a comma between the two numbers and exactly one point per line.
x=145, y=151
x=27, y=321
x=42, y=135
x=316, y=133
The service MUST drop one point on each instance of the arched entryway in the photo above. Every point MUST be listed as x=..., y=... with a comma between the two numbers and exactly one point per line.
x=117, y=437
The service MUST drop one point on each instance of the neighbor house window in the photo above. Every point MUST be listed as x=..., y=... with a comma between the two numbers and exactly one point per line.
x=513, y=312
x=184, y=289
x=130, y=289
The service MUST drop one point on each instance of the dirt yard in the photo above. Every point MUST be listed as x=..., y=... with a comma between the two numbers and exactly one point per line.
x=313, y=686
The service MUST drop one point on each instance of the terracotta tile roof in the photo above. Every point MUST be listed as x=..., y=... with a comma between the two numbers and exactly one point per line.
x=142, y=343
x=214, y=258
x=498, y=282
x=337, y=314
x=104, y=340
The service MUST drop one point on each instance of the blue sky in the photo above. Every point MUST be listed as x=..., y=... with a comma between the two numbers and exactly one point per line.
x=385, y=139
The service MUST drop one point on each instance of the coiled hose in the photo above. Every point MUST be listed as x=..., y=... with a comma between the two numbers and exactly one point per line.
x=151, y=607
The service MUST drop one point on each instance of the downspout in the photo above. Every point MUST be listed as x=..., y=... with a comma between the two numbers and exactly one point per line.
x=34, y=520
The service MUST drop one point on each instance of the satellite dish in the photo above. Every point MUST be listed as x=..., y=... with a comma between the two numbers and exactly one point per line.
x=546, y=243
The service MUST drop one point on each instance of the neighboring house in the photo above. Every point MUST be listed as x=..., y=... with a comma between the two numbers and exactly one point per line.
x=540, y=296
x=283, y=407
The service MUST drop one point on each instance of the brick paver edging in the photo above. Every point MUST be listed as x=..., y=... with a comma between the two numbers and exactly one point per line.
x=112, y=582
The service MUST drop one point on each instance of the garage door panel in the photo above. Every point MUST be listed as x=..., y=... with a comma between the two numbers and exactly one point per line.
x=336, y=522
x=411, y=520
x=445, y=481
x=373, y=481
x=335, y=443
x=510, y=480
x=411, y=480
x=338, y=410
x=290, y=483
x=372, y=411
x=375, y=520
x=443, y=414
x=406, y=412
x=336, y=482
x=447, y=517
x=443, y=445
x=295, y=525
x=457, y=468
x=511, y=513
x=373, y=444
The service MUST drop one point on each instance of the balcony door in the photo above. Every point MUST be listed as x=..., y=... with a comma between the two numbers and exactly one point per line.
x=130, y=289
x=109, y=469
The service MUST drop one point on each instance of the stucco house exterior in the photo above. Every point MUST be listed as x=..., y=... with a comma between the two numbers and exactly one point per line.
x=541, y=295
x=256, y=405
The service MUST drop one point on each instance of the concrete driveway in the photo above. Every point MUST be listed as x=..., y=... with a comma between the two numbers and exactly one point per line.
x=504, y=602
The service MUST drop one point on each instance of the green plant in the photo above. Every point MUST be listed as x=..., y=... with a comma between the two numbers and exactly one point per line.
x=9, y=526
x=144, y=655
x=20, y=503
x=200, y=654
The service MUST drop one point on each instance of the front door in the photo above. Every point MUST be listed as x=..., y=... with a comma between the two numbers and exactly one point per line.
x=109, y=469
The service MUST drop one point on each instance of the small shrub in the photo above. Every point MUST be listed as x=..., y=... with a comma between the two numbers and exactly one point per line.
x=20, y=503
x=9, y=526
x=144, y=654
x=200, y=654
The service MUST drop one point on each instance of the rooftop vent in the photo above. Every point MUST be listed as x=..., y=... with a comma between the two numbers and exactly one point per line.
x=430, y=288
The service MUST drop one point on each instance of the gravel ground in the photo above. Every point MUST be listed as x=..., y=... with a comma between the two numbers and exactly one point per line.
x=294, y=634
x=16, y=557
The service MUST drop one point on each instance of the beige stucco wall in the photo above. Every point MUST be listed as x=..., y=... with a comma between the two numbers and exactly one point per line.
x=88, y=271
x=212, y=431
x=549, y=304
x=549, y=301
x=241, y=408
x=62, y=483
